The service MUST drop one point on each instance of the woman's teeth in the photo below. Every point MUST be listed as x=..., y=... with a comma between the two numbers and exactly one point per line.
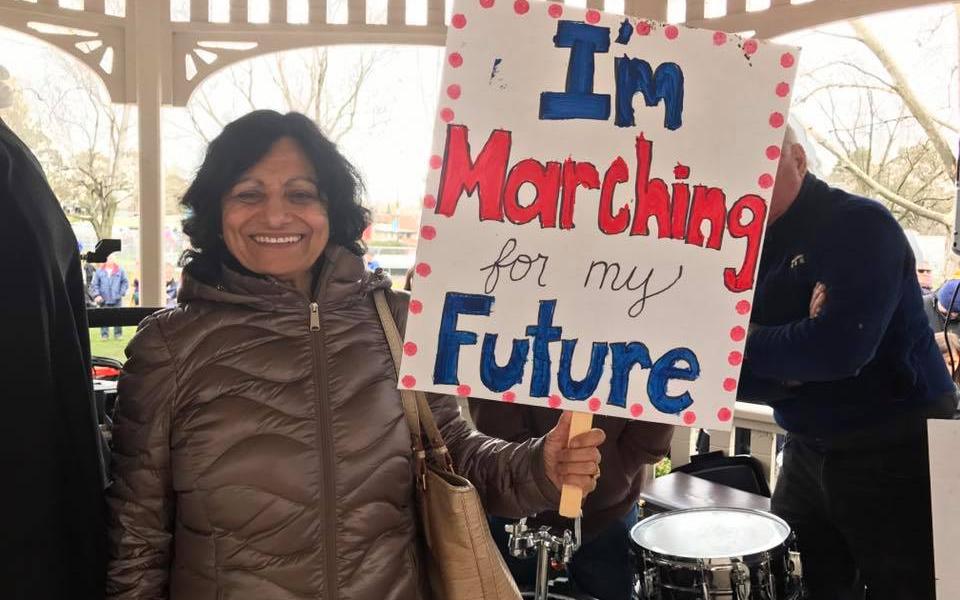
x=288, y=239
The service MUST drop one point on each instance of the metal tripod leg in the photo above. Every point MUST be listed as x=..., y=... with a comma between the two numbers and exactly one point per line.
x=549, y=548
x=543, y=570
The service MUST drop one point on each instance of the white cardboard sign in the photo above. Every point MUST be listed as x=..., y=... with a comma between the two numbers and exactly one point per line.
x=944, y=444
x=594, y=212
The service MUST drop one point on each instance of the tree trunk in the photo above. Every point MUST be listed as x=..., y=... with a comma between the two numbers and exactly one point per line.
x=902, y=86
x=103, y=222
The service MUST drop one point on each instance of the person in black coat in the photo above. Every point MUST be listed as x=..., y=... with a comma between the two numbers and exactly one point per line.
x=52, y=509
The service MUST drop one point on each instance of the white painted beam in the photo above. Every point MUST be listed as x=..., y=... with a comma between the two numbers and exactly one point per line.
x=239, y=11
x=152, y=41
x=200, y=11
x=318, y=12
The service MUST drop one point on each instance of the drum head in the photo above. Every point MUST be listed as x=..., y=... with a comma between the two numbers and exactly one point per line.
x=710, y=532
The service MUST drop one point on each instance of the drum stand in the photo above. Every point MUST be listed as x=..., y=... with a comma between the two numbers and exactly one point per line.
x=551, y=550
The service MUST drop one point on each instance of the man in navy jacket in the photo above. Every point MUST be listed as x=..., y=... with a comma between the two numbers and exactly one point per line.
x=839, y=345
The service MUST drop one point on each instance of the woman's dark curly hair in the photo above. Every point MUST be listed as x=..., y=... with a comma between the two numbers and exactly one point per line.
x=240, y=146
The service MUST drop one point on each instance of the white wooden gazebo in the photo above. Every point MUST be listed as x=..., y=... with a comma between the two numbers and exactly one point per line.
x=146, y=58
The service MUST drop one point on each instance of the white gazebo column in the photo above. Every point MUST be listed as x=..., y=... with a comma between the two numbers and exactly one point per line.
x=151, y=43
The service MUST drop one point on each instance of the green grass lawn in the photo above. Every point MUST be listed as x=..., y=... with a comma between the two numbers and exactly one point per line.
x=662, y=468
x=110, y=348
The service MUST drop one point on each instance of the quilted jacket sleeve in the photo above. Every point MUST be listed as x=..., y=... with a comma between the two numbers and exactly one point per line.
x=510, y=477
x=643, y=443
x=141, y=501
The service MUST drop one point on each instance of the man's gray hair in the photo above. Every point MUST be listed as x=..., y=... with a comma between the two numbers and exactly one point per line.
x=796, y=134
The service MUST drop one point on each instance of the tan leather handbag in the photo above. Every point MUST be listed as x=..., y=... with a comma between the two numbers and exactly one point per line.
x=463, y=562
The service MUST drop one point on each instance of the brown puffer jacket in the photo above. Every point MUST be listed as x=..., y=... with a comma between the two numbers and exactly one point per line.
x=261, y=450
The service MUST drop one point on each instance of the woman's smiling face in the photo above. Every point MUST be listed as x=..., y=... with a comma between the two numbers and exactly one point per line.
x=275, y=219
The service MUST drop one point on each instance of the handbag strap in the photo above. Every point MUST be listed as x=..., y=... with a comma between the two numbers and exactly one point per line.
x=415, y=405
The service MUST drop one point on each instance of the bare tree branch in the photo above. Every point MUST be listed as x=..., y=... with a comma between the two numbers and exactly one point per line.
x=834, y=34
x=348, y=108
x=854, y=86
x=862, y=71
x=202, y=101
x=876, y=186
x=891, y=136
x=280, y=79
x=951, y=126
x=922, y=114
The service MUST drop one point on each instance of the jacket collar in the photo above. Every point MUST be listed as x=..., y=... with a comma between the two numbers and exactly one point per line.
x=342, y=280
x=803, y=214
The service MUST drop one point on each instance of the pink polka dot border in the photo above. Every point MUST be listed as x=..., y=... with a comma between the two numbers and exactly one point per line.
x=766, y=181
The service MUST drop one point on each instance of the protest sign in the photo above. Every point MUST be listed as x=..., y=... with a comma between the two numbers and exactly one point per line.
x=594, y=212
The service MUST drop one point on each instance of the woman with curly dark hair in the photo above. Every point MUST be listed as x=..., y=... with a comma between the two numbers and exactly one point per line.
x=260, y=449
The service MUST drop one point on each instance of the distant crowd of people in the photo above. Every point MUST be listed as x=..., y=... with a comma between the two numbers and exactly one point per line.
x=107, y=286
x=942, y=307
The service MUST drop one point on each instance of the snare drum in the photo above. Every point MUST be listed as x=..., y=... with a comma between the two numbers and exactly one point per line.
x=716, y=553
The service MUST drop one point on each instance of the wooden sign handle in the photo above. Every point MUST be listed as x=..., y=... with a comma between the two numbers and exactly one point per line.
x=571, y=496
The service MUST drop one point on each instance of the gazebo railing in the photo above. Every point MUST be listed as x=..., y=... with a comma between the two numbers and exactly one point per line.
x=756, y=418
x=196, y=38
